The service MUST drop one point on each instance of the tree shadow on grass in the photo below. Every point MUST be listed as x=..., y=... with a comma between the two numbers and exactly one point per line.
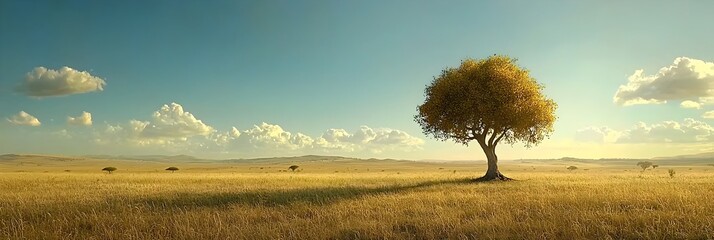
x=313, y=196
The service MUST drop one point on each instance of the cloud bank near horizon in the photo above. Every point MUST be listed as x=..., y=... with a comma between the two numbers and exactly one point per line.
x=171, y=127
x=687, y=131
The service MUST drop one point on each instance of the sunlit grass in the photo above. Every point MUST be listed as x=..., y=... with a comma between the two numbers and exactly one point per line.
x=416, y=203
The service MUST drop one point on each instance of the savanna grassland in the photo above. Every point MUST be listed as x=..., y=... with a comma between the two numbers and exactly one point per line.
x=341, y=198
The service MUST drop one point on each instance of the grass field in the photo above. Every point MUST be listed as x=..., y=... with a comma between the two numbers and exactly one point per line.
x=336, y=198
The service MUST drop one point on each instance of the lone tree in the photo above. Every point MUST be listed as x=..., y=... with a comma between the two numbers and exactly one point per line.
x=490, y=100
x=644, y=165
x=172, y=169
x=571, y=168
x=109, y=169
x=293, y=167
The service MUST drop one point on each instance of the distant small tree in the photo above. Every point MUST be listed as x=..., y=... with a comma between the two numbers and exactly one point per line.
x=172, y=169
x=644, y=165
x=571, y=168
x=293, y=167
x=655, y=166
x=671, y=173
x=109, y=169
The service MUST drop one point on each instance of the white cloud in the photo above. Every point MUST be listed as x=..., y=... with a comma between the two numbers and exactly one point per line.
x=222, y=139
x=336, y=139
x=270, y=137
x=25, y=119
x=171, y=121
x=391, y=137
x=690, y=104
x=366, y=138
x=85, y=119
x=597, y=134
x=274, y=137
x=169, y=125
x=172, y=127
x=686, y=79
x=689, y=130
x=708, y=115
x=43, y=82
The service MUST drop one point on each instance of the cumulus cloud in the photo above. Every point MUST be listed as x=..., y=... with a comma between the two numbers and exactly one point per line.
x=366, y=138
x=175, y=128
x=273, y=136
x=225, y=138
x=85, y=119
x=24, y=119
x=43, y=82
x=686, y=79
x=171, y=121
x=690, y=104
x=708, y=115
x=169, y=125
x=689, y=130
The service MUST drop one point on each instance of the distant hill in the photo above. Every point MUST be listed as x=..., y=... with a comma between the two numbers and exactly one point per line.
x=709, y=155
x=693, y=159
x=175, y=158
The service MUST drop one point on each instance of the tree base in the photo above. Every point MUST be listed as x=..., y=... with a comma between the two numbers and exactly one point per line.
x=492, y=177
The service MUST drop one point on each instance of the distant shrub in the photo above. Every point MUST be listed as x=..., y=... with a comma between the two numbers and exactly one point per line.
x=571, y=168
x=293, y=167
x=109, y=169
x=172, y=169
x=655, y=166
x=671, y=173
x=644, y=165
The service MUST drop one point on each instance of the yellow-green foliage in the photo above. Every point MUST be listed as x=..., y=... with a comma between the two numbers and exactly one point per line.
x=423, y=201
x=488, y=100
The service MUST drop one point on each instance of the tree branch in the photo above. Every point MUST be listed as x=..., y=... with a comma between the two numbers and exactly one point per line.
x=492, y=138
x=505, y=130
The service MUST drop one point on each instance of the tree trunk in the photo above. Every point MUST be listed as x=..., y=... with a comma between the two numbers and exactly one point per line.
x=492, y=173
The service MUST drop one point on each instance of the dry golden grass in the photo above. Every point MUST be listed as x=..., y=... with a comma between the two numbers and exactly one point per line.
x=406, y=201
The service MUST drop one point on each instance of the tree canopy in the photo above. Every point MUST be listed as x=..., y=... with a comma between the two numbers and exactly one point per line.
x=644, y=165
x=490, y=97
x=293, y=167
x=109, y=169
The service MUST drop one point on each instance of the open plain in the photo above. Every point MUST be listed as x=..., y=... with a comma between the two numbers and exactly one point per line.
x=44, y=197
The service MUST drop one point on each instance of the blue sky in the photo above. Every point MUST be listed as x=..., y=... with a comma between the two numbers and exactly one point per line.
x=311, y=66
